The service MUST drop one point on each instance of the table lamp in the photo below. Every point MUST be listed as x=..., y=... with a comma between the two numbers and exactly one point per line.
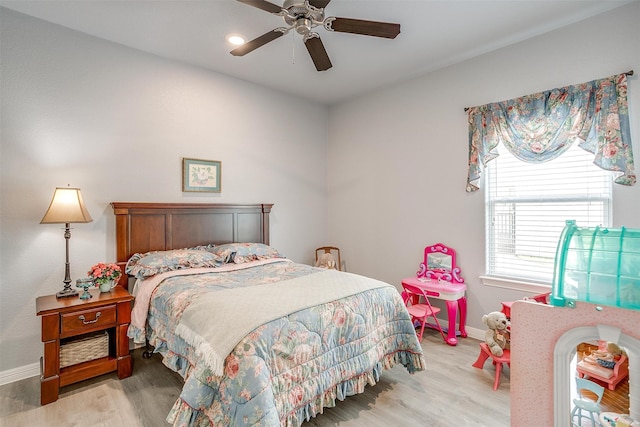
x=66, y=207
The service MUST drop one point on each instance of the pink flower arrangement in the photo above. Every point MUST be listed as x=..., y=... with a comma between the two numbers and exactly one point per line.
x=103, y=273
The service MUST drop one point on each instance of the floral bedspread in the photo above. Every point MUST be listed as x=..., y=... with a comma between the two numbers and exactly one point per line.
x=287, y=370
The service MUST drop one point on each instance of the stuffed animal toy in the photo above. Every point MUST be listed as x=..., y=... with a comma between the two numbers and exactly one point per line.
x=327, y=261
x=497, y=335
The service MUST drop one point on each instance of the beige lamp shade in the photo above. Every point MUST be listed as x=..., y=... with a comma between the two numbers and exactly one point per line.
x=66, y=206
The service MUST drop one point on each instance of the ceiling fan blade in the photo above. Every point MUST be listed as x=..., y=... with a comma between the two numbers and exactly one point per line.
x=359, y=26
x=264, y=5
x=317, y=52
x=319, y=4
x=257, y=42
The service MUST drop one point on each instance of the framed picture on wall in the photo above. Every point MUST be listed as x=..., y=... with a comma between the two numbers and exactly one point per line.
x=201, y=175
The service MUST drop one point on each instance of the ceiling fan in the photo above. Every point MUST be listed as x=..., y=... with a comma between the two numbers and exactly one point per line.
x=303, y=16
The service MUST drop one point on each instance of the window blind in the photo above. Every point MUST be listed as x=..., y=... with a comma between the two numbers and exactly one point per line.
x=527, y=205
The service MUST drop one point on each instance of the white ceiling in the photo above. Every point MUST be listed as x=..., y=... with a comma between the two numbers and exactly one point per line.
x=434, y=34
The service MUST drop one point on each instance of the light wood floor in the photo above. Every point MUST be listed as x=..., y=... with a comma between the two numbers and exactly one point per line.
x=450, y=392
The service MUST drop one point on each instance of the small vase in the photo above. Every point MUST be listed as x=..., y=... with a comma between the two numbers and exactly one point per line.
x=85, y=283
x=107, y=286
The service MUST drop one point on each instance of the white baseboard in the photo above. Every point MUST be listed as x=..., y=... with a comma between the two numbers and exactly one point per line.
x=19, y=373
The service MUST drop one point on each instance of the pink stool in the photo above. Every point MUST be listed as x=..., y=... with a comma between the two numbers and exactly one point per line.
x=485, y=353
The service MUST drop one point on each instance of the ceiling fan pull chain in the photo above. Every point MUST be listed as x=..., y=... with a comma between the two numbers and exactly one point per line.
x=293, y=48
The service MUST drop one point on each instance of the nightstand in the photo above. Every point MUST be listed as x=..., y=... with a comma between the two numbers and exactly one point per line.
x=69, y=321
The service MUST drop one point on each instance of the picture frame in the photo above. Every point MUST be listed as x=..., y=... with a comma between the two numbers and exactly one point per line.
x=200, y=175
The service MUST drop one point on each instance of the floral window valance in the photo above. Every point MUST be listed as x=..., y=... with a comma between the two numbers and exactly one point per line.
x=542, y=126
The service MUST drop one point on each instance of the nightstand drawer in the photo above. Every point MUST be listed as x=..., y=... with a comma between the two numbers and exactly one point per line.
x=80, y=322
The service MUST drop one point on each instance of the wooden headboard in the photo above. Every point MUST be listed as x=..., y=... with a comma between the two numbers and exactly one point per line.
x=144, y=227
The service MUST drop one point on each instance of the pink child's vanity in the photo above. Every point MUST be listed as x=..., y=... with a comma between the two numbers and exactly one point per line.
x=440, y=275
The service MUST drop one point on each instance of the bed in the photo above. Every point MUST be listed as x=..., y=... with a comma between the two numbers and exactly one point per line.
x=258, y=339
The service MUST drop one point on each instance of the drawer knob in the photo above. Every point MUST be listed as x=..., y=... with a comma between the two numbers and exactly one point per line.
x=88, y=322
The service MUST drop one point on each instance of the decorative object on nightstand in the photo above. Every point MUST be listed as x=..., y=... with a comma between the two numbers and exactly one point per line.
x=66, y=207
x=85, y=283
x=105, y=275
x=75, y=345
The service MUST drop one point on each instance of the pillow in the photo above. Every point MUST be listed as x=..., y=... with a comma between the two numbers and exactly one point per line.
x=244, y=252
x=609, y=364
x=137, y=256
x=151, y=263
x=203, y=247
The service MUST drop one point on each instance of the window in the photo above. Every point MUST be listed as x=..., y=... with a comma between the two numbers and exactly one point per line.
x=527, y=205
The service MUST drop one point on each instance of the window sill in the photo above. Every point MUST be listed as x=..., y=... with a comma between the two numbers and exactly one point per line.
x=514, y=284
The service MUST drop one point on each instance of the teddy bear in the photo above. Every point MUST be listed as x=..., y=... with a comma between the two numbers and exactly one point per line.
x=497, y=336
x=327, y=260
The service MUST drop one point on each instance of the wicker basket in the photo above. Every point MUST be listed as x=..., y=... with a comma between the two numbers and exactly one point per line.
x=85, y=348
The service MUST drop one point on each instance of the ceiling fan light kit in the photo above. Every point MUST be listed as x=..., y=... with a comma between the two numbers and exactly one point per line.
x=303, y=17
x=236, y=39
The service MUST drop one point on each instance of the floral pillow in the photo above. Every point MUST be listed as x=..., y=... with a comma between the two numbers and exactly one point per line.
x=244, y=252
x=151, y=263
x=137, y=256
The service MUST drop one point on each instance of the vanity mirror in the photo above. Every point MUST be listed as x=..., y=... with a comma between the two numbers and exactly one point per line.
x=440, y=264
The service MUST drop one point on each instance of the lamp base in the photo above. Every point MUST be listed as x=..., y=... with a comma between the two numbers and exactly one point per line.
x=67, y=292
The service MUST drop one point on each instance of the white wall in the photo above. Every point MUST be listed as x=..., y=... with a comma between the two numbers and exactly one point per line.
x=116, y=122
x=398, y=157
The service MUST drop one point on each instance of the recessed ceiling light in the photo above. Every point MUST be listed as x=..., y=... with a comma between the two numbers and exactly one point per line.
x=236, y=39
